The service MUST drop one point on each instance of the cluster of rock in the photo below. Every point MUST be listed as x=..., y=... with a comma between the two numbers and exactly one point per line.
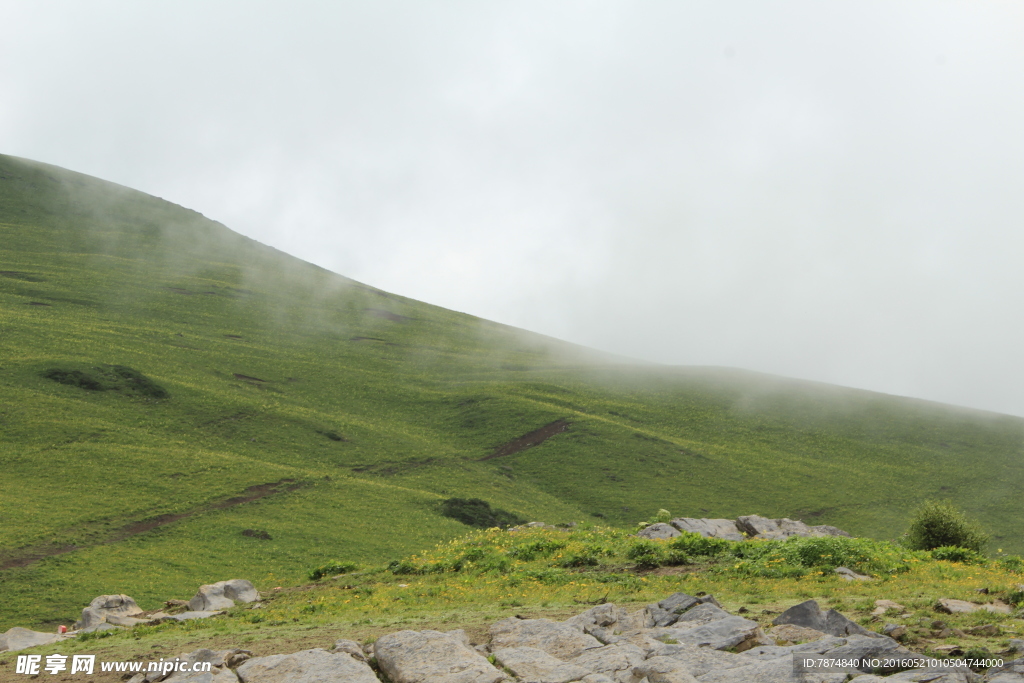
x=682, y=639
x=121, y=611
x=740, y=529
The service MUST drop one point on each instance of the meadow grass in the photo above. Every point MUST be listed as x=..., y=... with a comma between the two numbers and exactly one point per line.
x=377, y=408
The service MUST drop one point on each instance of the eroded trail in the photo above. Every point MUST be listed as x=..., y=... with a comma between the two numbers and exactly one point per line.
x=534, y=438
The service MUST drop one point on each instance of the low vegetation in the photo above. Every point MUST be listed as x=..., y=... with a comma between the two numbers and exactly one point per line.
x=168, y=385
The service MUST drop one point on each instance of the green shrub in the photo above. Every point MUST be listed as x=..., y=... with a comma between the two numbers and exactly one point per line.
x=646, y=554
x=936, y=524
x=534, y=549
x=695, y=545
x=1013, y=563
x=478, y=513
x=952, y=553
x=331, y=569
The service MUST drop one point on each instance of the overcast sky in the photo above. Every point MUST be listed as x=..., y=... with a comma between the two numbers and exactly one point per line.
x=825, y=190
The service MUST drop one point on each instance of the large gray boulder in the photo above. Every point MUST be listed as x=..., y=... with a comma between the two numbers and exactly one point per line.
x=779, y=670
x=223, y=595
x=658, y=531
x=560, y=640
x=709, y=528
x=308, y=666
x=755, y=526
x=810, y=615
x=614, y=661
x=695, y=660
x=663, y=670
x=536, y=666
x=432, y=657
x=721, y=634
x=108, y=608
x=18, y=638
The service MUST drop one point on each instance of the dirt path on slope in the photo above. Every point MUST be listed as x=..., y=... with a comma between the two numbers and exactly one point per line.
x=22, y=557
x=534, y=438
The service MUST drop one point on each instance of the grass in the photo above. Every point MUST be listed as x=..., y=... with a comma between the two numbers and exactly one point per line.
x=463, y=583
x=377, y=408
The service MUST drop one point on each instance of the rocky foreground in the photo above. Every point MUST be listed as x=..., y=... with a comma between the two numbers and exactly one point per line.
x=681, y=639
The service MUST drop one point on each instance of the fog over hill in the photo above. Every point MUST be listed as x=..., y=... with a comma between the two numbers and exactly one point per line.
x=824, y=191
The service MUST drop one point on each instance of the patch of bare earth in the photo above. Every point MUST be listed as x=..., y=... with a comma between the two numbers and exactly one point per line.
x=537, y=436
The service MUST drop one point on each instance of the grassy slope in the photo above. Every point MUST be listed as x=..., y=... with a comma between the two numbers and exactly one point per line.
x=133, y=280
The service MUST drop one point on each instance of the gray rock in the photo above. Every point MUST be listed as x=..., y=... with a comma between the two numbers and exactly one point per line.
x=866, y=648
x=219, y=661
x=809, y=615
x=532, y=665
x=658, y=531
x=721, y=634
x=677, y=603
x=848, y=574
x=17, y=638
x=614, y=661
x=557, y=639
x=702, y=614
x=434, y=657
x=932, y=676
x=105, y=606
x=664, y=670
x=308, y=666
x=351, y=647
x=223, y=595
x=1017, y=644
x=1006, y=677
x=699, y=660
x=779, y=670
x=755, y=526
x=602, y=616
x=709, y=528
x=826, y=530
x=950, y=606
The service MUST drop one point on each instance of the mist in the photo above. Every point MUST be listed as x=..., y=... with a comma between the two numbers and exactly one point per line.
x=820, y=191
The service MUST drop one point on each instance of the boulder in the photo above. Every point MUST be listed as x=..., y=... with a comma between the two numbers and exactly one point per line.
x=223, y=595
x=795, y=634
x=883, y=606
x=17, y=638
x=755, y=526
x=704, y=613
x=848, y=574
x=560, y=640
x=614, y=661
x=434, y=657
x=698, y=660
x=657, y=531
x=351, y=647
x=308, y=666
x=663, y=670
x=677, y=603
x=950, y=606
x=104, y=607
x=809, y=615
x=721, y=634
x=778, y=670
x=709, y=528
x=535, y=665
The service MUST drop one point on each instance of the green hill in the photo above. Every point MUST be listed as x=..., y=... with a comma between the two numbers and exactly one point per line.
x=180, y=404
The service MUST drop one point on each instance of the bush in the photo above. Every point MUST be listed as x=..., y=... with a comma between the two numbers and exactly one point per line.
x=952, y=553
x=695, y=545
x=478, y=513
x=646, y=554
x=1012, y=563
x=937, y=524
x=331, y=569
